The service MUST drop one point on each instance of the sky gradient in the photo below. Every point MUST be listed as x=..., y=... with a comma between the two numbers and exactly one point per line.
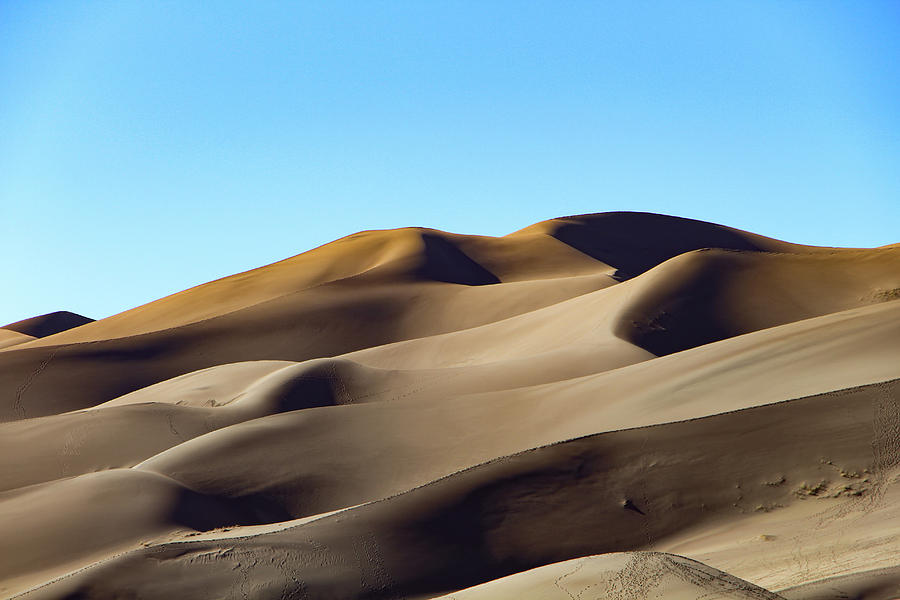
x=146, y=147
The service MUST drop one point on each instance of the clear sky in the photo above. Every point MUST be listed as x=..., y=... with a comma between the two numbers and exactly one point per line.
x=146, y=147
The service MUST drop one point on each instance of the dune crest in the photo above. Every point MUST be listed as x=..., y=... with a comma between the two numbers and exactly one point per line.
x=49, y=324
x=619, y=405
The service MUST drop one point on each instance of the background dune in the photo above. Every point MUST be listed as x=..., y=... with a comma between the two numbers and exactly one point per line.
x=49, y=324
x=621, y=405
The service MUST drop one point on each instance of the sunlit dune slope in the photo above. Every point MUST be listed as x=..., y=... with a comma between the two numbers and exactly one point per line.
x=609, y=492
x=611, y=242
x=693, y=299
x=12, y=338
x=618, y=405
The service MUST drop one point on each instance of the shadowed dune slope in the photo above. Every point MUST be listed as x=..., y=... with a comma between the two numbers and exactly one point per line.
x=706, y=296
x=875, y=584
x=49, y=324
x=327, y=321
x=635, y=575
x=619, y=405
x=429, y=436
x=611, y=492
x=102, y=513
x=635, y=242
x=425, y=423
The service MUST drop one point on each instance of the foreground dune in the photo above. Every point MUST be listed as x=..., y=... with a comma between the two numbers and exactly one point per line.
x=619, y=405
x=620, y=574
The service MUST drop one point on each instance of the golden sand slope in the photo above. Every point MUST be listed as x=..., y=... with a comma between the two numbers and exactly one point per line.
x=12, y=338
x=618, y=405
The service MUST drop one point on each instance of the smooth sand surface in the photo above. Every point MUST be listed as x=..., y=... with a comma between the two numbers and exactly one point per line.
x=9, y=337
x=620, y=405
x=49, y=324
x=617, y=575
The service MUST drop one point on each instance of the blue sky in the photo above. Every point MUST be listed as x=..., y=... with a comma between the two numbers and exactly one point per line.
x=146, y=147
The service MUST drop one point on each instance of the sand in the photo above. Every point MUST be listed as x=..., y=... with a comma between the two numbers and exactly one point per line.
x=620, y=405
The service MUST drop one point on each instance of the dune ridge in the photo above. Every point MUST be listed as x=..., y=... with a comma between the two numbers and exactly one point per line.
x=48, y=324
x=620, y=405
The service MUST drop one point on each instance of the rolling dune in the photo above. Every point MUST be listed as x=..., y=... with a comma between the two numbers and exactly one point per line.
x=619, y=405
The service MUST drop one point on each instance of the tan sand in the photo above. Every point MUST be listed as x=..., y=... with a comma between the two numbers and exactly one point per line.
x=619, y=405
x=12, y=338
x=619, y=574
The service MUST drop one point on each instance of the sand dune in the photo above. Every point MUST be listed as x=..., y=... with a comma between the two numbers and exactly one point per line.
x=427, y=436
x=327, y=321
x=49, y=324
x=603, y=493
x=618, y=575
x=103, y=513
x=12, y=338
x=619, y=405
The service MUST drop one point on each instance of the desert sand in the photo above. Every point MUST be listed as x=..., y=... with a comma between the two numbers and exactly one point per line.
x=618, y=405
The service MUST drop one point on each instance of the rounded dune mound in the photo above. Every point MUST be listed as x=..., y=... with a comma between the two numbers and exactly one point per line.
x=9, y=338
x=313, y=383
x=49, y=324
x=211, y=387
x=634, y=242
x=132, y=428
x=103, y=513
x=709, y=295
x=264, y=387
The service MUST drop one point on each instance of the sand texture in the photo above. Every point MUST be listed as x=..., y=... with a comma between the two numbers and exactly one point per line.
x=619, y=405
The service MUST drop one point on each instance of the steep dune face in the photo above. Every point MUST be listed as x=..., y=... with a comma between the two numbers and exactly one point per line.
x=706, y=296
x=636, y=242
x=613, y=405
